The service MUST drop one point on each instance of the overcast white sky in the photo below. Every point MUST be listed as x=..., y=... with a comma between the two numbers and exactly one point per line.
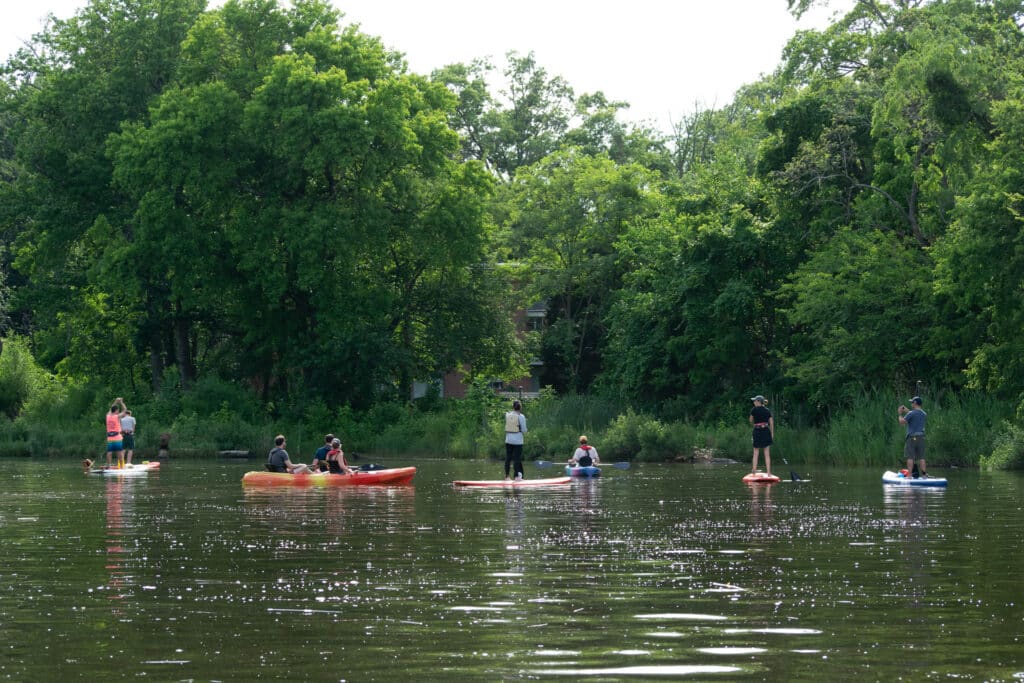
x=664, y=57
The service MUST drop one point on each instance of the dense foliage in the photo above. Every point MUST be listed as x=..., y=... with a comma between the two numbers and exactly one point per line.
x=263, y=198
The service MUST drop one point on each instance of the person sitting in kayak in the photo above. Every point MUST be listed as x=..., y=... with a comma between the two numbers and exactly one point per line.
x=319, y=463
x=336, y=459
x=585, y=455
x=278, y=461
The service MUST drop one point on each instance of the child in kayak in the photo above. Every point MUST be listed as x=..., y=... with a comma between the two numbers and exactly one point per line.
x=585, y=455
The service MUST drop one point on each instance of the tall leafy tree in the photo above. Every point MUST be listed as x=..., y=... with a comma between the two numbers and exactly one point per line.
x=568, y=212
x=72, y=87
x=335, y=226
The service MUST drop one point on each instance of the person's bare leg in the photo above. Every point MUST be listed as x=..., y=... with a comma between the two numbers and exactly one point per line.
x=767, y=460
x=753, y=462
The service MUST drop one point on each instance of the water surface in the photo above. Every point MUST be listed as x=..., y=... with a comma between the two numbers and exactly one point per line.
x=655, y=573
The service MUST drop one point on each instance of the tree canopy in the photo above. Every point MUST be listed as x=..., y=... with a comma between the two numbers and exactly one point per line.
x=264, y=194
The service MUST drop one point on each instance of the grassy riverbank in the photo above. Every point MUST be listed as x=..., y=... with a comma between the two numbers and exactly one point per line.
x=963, y=430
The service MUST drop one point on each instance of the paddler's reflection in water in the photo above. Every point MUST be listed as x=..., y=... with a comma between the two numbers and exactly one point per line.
x=515, y=528
x=907, y=509
x=762, y=509
x=118, y=510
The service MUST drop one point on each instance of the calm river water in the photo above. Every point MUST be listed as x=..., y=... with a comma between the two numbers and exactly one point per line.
x=655, y=573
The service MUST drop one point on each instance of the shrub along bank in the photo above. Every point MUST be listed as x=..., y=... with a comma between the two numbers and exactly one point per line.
x=965, y=430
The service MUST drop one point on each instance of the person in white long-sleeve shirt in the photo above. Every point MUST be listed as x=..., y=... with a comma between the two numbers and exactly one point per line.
x=585, y=455
x=515, y=427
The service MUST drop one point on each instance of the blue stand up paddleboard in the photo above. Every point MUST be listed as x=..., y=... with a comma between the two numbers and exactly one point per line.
x=897, y=479
x=588, y=471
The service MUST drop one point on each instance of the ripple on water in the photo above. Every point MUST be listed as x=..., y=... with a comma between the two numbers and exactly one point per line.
x=731, y=650
x=782, y=631
x=679, y=616
x=644, y=670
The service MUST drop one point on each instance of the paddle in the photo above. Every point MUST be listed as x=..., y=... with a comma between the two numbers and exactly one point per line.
x=616, y=465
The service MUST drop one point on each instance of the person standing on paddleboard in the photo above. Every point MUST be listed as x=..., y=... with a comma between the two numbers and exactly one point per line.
x=128, y=435
x=515, y=427
x=764, y=433
x=913, y=448
x=113, y=422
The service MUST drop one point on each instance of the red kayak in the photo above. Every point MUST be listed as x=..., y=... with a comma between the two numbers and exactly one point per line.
x=761, y=478
x=399, y=475
x=514, y=484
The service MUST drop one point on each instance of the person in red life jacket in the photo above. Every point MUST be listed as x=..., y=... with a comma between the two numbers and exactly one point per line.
x=764, y=433
x=113, y=421
x=335, y=459
x=515, y=427
x=585, y=455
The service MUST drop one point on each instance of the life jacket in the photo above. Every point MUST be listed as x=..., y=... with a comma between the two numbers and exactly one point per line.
x=334, y=461
x=585, y=460
x=113, y=427
x=512, y=422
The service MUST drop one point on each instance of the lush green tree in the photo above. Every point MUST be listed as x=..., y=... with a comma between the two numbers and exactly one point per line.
x=334, y=224
x=862, y=310
x=567, y=213
x=72, y=87
x=980, y=266
x=694, y=324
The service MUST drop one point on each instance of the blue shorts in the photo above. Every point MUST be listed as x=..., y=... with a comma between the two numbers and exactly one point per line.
x=114, y=446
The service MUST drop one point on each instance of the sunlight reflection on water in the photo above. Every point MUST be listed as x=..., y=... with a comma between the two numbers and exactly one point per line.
x=682, y=573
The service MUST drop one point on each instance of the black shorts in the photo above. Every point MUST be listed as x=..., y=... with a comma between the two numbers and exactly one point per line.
x=762, y=437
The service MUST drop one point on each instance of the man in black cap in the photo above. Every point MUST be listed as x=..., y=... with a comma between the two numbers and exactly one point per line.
x=913, y=448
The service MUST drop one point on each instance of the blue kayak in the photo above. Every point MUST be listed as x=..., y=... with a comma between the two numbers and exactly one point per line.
x=589, y=471
x=897, y=479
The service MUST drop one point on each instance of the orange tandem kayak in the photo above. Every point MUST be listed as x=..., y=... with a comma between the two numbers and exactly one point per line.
x=399, y=475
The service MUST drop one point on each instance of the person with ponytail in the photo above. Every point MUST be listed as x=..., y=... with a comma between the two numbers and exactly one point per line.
x=515, y=427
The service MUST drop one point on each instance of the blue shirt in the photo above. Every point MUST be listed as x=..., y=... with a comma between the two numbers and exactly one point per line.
x=915, y=420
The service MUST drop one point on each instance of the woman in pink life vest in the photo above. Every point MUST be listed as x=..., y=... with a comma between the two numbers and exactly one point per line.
x=113, y=422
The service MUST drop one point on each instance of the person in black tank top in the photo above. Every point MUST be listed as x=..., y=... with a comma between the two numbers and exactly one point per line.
x=764, y=433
